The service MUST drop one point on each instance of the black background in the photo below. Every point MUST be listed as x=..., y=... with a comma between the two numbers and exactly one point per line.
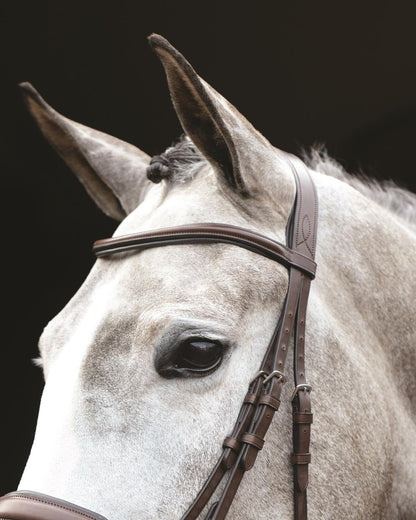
x=302, y=72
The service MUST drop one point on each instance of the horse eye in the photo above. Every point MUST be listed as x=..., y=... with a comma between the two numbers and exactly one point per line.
x=199, y=355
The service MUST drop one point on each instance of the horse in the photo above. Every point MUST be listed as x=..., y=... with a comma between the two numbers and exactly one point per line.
x=146, y=367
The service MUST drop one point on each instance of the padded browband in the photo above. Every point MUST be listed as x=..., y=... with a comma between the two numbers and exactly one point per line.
x=208, y=233
x=28, y=505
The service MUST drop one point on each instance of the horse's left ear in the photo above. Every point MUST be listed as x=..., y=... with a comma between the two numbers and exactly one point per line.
x=238, y=152
x=112, y=171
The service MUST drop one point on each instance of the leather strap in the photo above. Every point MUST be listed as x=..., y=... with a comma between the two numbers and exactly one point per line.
x=301, y=236
x=302, y=240
x=207, y=233
x=28, y=505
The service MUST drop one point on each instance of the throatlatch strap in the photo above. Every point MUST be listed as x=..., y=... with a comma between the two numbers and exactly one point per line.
x=262, y=400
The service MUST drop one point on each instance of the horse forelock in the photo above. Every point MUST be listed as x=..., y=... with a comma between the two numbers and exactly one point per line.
x=178, y=163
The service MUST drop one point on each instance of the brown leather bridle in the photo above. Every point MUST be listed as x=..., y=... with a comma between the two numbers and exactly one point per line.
x=262, y=400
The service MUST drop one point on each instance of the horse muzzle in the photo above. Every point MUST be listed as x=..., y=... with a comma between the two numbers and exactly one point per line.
x=28, y=505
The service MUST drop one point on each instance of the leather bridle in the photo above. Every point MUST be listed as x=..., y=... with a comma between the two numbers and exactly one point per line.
x=262, y=400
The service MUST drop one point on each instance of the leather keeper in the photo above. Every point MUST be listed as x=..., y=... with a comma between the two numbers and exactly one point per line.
x=253, y=440
x=228, y=459
x=303, y=417
x=271, y=401
x=301, y=458
x=232, y=443
x=250, y=398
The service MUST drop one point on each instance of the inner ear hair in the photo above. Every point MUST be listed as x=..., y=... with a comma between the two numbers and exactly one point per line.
x=197, y=112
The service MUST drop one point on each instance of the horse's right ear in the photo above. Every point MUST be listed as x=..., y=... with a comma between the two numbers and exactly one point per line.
x=240, y=155
x=112, y=171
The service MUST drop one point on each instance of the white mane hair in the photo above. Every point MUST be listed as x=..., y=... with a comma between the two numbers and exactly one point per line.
x=184, y=160
x=399, y=201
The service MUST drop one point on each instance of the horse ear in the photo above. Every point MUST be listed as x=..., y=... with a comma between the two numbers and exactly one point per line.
x=222, y=134
x=112, y=171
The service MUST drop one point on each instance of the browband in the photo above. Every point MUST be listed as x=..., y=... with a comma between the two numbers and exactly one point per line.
x=207, y=233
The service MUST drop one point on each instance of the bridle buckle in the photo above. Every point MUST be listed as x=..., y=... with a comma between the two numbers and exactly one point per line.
x=302, y=387
x=261, y=373
x=276, y=373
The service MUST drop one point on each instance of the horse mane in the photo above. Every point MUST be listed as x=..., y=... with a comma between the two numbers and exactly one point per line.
x=399, y=201
x=181, y=161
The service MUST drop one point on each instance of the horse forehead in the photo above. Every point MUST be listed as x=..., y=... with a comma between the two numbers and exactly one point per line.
x=138, y=293
x=202, y=199
x=168, y=204
x=183, y=277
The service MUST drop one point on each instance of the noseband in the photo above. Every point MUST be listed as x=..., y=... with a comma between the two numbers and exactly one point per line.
x=262, y=400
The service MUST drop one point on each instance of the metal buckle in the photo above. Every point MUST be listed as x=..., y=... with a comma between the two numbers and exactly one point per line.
x=262, y=373
x=303, y=386
x=276, y=373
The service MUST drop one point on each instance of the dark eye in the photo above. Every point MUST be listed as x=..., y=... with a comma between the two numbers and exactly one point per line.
x=192, y=357
x=199, y=355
